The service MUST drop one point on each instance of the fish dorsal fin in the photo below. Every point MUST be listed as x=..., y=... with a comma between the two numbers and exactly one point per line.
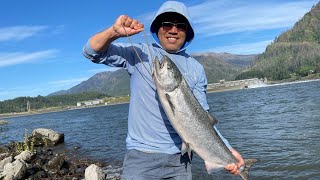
x=212, y=120
x=185, y=148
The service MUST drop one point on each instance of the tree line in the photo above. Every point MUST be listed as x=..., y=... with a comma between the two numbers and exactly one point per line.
x=19, y=104
x=285, y=60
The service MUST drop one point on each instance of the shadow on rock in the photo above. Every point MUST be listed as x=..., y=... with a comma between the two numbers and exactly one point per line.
x=43, y=156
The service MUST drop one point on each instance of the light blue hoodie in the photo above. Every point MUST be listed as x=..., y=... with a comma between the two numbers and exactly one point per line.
x=173, y=7
x=149, y=129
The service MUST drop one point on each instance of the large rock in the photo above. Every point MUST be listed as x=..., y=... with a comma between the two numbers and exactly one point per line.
x=2, y=122
x=15, y=170
x=53, y=137
x=4, y=162
x=55, y=164
x=24, y=156
x=94, y=172
x=4, y=155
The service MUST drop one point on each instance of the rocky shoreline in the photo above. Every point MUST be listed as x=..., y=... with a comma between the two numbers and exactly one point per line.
x=43, y=156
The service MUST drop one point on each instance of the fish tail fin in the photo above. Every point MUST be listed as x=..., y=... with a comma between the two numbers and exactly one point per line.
x=245, y=172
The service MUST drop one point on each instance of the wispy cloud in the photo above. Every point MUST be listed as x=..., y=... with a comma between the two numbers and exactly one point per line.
x=16, y=33
x=58, y=29
x=224, y=17
x=67, y=82
x=107, y=68
x=42, y=89
x=9, y=59
x=8, y=94
x=11, y=93
x=247, y=48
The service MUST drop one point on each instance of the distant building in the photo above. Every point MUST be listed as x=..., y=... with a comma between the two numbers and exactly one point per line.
x=239, y=84
x=90, y=103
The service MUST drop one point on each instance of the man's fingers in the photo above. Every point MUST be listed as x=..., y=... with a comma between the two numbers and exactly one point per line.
x=123, y=19
x=139, y=27
x=134, y=23
x=232, y=168
x=125, y=25
x=128, y=22
x=229, y=167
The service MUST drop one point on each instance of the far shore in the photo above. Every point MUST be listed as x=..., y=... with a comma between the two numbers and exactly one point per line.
x=12, y=115
x=60, y=109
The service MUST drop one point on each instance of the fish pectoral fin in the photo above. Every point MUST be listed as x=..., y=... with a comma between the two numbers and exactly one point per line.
x=185, y=148
x=211, y=167
x=212, y=120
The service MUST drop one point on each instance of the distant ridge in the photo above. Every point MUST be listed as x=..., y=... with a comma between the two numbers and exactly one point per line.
x=112, y=83
x=217, y=66
x=233, y=59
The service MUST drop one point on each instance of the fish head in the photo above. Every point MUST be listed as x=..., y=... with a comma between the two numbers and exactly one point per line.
x=166, y=74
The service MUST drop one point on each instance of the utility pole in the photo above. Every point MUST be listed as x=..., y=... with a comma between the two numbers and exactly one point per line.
x=28, y=106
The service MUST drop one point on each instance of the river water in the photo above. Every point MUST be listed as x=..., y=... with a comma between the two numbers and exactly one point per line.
x=279, y=125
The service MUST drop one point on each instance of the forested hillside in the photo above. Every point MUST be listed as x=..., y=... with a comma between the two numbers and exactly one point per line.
x=216, y=68
x=40, y=102
x=294, y=53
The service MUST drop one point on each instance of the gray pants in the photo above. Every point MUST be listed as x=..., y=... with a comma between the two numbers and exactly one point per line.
x=139, y=165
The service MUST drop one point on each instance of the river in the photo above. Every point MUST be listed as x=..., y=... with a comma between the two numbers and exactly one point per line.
x=279, y=125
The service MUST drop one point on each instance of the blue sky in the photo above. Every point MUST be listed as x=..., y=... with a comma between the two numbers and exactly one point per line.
x=41, y=41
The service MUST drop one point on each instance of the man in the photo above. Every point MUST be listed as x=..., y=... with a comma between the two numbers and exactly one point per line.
x=153, y=145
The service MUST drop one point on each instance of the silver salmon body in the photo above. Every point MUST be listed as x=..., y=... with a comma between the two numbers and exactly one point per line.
x=193, y=124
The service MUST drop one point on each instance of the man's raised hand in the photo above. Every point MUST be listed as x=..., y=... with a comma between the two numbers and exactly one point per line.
x=125, y=25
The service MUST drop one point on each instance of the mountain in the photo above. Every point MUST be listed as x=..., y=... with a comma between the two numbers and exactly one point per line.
x=217, y=66
x=233, y=59
x=222, y=65
x=295, y=52
x=112, y=83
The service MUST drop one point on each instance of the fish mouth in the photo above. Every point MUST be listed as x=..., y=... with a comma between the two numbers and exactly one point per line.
x=159, y=71
x=160, y=66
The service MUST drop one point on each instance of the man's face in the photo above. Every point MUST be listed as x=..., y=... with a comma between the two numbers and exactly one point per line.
x=172, y=33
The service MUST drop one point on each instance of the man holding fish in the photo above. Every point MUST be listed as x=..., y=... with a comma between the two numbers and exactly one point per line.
x=155, y=148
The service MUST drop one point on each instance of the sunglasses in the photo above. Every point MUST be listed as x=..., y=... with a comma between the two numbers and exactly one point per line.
x=169, y=25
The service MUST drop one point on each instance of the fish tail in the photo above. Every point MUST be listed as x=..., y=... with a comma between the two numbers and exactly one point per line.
x=245, y=172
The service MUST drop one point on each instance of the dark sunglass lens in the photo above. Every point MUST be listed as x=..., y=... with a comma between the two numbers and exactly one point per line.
x=182, y=26
x=167, y=25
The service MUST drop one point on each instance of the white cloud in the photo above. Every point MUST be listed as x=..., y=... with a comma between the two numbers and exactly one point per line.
x=9, y=59
x=11, y=93
x=228, y=16
x=16, y=33
x=224, y=17
x=107, y=68
x=39, y=89
x=248, y=48
x=67, y=83
x=58, y=29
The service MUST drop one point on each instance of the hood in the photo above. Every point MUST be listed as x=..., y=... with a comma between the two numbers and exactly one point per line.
x=175, y=7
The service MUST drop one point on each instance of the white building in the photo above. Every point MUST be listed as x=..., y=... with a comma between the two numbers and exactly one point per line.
x=90, y=103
